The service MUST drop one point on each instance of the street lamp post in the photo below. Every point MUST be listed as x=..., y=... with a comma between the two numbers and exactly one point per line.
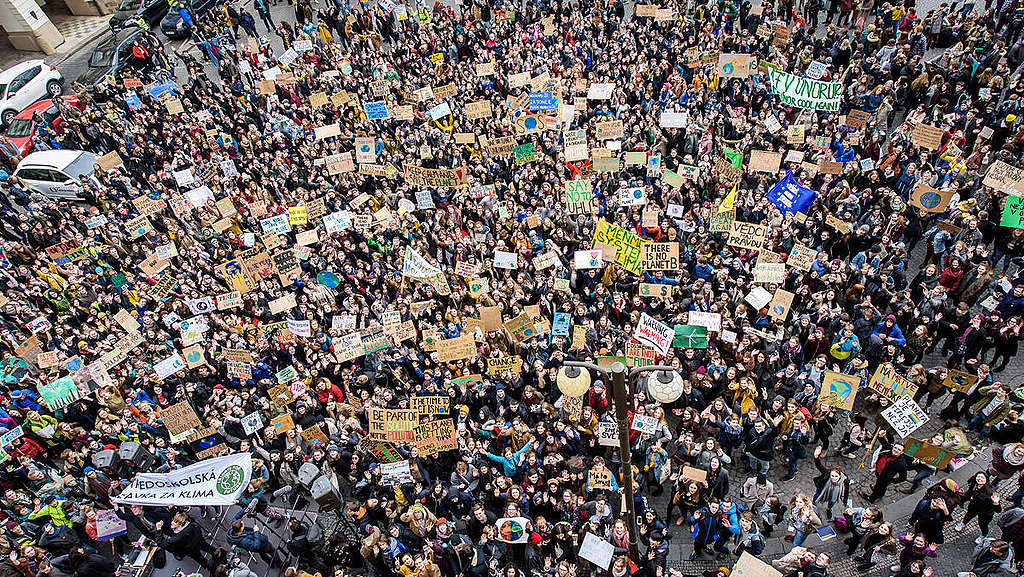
x=571, y=379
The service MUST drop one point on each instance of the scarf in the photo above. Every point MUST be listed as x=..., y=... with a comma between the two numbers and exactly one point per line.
x=1009, y=456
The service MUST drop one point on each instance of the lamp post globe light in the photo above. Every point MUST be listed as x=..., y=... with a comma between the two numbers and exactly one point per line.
x=665, y=386
x=573, y=381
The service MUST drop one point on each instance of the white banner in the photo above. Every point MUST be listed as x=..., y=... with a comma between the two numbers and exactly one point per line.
x=216, y=481
x=905, y=416
x=804, y=92
x=654, y=333
x=416, y=266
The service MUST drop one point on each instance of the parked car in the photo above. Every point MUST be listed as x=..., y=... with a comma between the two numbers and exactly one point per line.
x=110, y=57
x=57, y=173
x=174, y=27
x=26, y=83
x=22, y=129
x=152, y=11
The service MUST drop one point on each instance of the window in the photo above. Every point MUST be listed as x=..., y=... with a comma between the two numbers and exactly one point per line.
x=22, y=79
x=41, y=174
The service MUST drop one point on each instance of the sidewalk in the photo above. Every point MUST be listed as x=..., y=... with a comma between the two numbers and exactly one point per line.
x=78, y=32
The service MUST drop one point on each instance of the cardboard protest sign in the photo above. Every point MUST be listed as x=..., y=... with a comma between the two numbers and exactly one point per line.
x=180, y=419
x=927, y=136
x=652, y=290
x=934, y=455
x=435, y=437
x=637, y=355
x=778, y=307
x=695, y=474
x=283, y=423
x=959, y=380
x=393, y=425
x=579, y=196
x=628, y=245
x=892, y=385
x=765, y=161
x=905, y=416
x=1000, y=174
x=109, y=525
x=503, y=365
x=801, y=257
x=599, y=479
x=839, y=390
x=609, y=130
x=315, y=436
x=731, y=65
x=660, y=255
x=654, y=333
x=456, y=349
x=930, y=199
x=747, y=235
x=751, y=566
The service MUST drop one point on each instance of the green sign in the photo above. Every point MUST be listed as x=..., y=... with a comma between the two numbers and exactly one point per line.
x=607, y=362
x=1013, y=212
x=13, y=369
x=690, y=337
x=59, y=393
x=526, y=153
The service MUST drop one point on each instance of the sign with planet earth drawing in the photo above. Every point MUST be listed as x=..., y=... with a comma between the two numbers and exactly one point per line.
x=839, y=390
x=514, y=529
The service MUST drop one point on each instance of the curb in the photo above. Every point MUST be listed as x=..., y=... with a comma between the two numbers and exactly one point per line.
x=75, y=50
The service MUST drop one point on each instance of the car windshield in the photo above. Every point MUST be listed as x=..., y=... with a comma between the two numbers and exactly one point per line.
x=81, y=165
x=20, y=128
x=131, y=5
x=103, y=56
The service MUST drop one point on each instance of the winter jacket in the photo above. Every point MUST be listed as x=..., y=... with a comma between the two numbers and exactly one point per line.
x=248, y=539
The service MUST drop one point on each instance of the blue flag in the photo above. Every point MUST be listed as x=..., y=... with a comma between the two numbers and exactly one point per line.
x=791, y=196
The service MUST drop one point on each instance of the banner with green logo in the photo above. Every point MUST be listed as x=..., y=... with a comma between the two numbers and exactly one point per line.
x=216, y=481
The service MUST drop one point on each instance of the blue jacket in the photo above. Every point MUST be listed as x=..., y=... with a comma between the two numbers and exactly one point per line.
x=733, y=514
x=894, y=332
x=512, y=467
x=249, y=540
x=707, y=528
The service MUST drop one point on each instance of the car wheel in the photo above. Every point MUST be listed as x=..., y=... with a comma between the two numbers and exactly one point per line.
x=7, y=117
x=54, y=88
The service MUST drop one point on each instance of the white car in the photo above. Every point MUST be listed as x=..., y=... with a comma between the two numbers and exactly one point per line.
x=57, y=173
x=26, y=83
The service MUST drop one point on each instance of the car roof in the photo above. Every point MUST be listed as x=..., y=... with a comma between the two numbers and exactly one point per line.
x=117, y=38
x=9, y=74
x=37, y=107
x=58, y=159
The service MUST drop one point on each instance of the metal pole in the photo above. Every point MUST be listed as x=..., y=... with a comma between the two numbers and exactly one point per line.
x=623, y=405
